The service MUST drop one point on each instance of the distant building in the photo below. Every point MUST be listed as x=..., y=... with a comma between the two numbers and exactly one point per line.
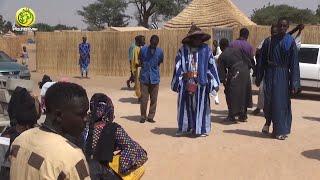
x=9, y=34
x=126, y=29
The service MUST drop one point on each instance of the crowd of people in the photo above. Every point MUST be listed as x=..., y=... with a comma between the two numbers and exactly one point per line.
x=79, y=138
x=199, y=70
x=89, y=143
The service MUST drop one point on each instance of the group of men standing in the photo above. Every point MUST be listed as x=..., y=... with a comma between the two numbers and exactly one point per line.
x=145, y=73
x=196, y=76
x=199, y=71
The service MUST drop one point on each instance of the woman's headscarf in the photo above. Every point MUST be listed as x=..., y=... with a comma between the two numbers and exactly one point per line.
x=101, y=108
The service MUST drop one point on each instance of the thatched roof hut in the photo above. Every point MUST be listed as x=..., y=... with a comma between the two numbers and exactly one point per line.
x=209, y=13
x=9, y=34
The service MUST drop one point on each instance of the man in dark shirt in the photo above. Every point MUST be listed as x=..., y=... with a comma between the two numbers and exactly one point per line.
x=234, y=72
x=247, y=48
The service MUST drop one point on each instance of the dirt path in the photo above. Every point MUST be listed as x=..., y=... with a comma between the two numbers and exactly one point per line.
x=235, y=152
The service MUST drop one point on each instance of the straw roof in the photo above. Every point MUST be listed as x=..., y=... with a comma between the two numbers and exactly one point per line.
x=126, y=29
x=9, y=34
x=209, y=13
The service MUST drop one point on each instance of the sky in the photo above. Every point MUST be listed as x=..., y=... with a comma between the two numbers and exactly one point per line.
x=64, y=11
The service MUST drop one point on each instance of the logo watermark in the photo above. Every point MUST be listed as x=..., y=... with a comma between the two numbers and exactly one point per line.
x=15, y=28
x=25, y=17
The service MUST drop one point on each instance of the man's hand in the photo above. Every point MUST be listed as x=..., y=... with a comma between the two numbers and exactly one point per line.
x=217, y=89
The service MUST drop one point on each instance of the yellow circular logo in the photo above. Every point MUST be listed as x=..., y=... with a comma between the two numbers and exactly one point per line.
x=25, y=17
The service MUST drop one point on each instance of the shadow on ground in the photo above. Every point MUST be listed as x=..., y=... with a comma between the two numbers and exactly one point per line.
x=220, y=112
x=312, y=154
x=307, y=96
x=126, y=89
x=220, y=119
x=79, y=77
x=165, y=131
x=129, y=100
x=312, y=118
x=242, y=132
x=219, y=116
x=135, y=118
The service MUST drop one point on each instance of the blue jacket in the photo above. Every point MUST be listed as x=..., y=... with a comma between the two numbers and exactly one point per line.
x=150, y=70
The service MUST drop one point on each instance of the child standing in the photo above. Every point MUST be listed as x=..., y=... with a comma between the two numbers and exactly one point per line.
x=24, y=56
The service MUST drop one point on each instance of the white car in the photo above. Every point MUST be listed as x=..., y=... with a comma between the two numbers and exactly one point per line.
x=309, y=58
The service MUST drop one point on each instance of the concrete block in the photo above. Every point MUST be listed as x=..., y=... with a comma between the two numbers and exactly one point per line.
x=13, y=83
x=5, y=96
x=4, y=107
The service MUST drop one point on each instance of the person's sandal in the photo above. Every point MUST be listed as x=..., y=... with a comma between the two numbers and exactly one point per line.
x=243, y=118
x=256, y=112
x=128, y=83
x=179, y=133
x=266, y=129
x=151, y=120
x=204, y=135
x=281, y=137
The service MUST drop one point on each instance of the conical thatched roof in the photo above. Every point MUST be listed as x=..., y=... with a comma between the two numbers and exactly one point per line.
x=9, y=34
x=209, y=13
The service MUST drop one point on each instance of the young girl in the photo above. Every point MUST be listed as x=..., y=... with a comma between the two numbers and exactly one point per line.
x=24, y=56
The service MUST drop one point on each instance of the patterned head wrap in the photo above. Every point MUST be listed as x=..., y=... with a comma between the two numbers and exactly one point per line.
x=101, y=108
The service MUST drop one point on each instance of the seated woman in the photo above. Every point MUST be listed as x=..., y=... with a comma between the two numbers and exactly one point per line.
x=132, y=155
x=24, y=110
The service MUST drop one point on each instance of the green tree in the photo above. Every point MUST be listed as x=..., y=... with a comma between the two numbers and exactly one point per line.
x=5, y=26
x=105, y=13
x=64, y=27
x=153, y=9
x=318, y=13
x=42, y=27
x=270, y=14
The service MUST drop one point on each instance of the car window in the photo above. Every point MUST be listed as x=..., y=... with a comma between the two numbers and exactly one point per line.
x=308, y=55
x=4, y=57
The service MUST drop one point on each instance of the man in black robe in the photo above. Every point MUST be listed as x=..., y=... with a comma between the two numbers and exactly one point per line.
x=234, y=72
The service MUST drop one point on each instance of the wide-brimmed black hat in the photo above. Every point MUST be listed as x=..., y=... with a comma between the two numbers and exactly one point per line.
x=195, y=30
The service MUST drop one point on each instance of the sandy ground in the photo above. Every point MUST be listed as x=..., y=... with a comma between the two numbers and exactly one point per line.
x=235, y=152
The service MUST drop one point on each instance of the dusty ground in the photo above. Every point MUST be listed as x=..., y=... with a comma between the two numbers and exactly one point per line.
x=235, y=152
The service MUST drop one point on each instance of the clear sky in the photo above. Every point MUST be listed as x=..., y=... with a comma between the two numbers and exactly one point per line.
x=64, y=11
